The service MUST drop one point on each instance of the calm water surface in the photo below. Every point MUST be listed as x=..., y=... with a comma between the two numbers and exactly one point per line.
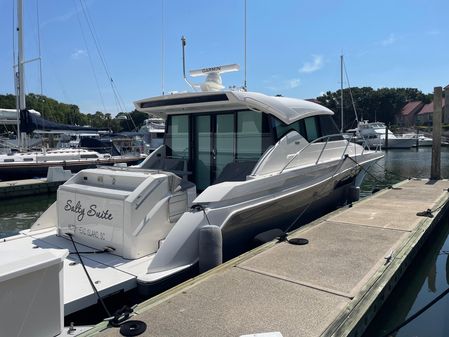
x=427, y=277
x=20, y=213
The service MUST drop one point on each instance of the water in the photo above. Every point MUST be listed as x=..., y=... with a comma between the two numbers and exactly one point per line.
x=20, y=213
x=427, y=277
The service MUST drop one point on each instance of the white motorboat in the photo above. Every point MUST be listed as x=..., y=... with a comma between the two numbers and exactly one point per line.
x=22, y=165
x=233, y=164
x=240, y=162
x=153, y=131
x=374, y=135
x=420, y=139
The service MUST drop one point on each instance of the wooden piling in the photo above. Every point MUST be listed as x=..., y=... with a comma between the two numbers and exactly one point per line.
x=435, y=171
x=386, y=136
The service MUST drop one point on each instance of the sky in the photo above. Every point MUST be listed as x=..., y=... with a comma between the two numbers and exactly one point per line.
x=293, y=46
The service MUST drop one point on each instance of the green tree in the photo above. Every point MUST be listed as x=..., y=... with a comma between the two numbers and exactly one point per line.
x=382, y=104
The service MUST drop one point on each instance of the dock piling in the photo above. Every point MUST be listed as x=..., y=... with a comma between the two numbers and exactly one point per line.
x=435, y=172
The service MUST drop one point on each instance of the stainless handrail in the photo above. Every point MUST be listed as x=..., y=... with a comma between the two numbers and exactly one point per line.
x=317, y=140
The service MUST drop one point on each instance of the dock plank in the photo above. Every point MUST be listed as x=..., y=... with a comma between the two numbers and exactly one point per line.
x=338, y=259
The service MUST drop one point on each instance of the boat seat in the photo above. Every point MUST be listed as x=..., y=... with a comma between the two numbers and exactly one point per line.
x=236, y=171
x=173, y=165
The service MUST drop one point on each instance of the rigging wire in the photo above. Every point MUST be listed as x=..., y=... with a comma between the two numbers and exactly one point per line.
x=244, y=83
x=162, y=48
x=90, y=25
x=90, y=58
x=14, y=28
x=350, y=91
x=40, y=57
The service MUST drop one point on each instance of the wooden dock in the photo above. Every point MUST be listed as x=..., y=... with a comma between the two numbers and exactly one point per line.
x=332, y=286
x=26, y=187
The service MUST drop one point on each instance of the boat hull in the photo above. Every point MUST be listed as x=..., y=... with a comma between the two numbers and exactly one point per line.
x=25, y=170
x=399, y=143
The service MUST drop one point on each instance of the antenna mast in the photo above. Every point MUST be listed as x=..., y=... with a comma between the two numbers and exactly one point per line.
x=341, y=91
x=20, y=71
x=244, y=83
x=162, y=50
x=183, y=43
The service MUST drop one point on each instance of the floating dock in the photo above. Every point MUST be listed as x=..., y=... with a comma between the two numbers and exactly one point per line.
x=332, y=286
x=26, y=187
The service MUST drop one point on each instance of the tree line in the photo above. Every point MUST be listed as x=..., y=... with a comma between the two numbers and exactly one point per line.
x=59, y=112
x=374, y=105
x=371, y=104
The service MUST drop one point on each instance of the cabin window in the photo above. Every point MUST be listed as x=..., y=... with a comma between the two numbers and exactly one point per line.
x=328, y=127
x=178, y=136
x=312, y=128
x=281, y=129
x=89, y=156
x=203, y=159
x=249, y=135
x=224, y=141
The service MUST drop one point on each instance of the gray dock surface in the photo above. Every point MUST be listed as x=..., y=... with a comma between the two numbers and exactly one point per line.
x=331, y=287
x=26, y=187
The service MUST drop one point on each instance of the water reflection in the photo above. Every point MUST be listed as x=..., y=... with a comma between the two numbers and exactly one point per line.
x=20, y=213
x=426, y=278
x=398, y=165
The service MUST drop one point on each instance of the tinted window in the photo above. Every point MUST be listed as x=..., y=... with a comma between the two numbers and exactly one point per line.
x=312, y=128
x=328, y=127
x=178, y=136
x=280, y=129
x=249, y=135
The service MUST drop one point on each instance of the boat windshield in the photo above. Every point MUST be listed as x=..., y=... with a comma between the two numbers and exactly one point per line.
x=310, y=128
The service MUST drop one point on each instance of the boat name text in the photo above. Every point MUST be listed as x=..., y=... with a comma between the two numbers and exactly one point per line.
x=92, y=233
x=92, y=211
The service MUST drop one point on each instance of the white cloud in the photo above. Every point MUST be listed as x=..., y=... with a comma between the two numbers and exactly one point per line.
x=310, y=67
x=279, y=86
x=389, y=40
x=293, y=83
x=79, y=53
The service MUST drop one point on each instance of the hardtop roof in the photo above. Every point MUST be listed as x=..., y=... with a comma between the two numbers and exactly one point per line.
x=288, y=110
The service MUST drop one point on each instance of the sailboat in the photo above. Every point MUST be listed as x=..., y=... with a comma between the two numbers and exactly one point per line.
x=24, y=164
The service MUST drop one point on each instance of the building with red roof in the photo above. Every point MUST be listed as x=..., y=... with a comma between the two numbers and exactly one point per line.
x=408, y=113
x=424, y=117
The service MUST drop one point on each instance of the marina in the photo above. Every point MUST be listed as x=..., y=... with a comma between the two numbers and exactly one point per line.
x=214, y=207
x=395, y=164
x=184, y=208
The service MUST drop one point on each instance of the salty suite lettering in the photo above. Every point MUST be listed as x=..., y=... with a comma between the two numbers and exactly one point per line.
x=92, y=211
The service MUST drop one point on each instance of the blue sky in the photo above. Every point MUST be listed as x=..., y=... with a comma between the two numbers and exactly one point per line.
x=293, y=46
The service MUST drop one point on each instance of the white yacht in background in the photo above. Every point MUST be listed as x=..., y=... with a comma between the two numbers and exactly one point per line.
x=420, y=139
x=24, y=165
x=239, y=162
x=373, y=135
x=153, y=131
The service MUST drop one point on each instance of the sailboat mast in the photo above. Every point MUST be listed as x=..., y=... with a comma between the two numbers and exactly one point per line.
x=341, y=92
x=20, y=69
